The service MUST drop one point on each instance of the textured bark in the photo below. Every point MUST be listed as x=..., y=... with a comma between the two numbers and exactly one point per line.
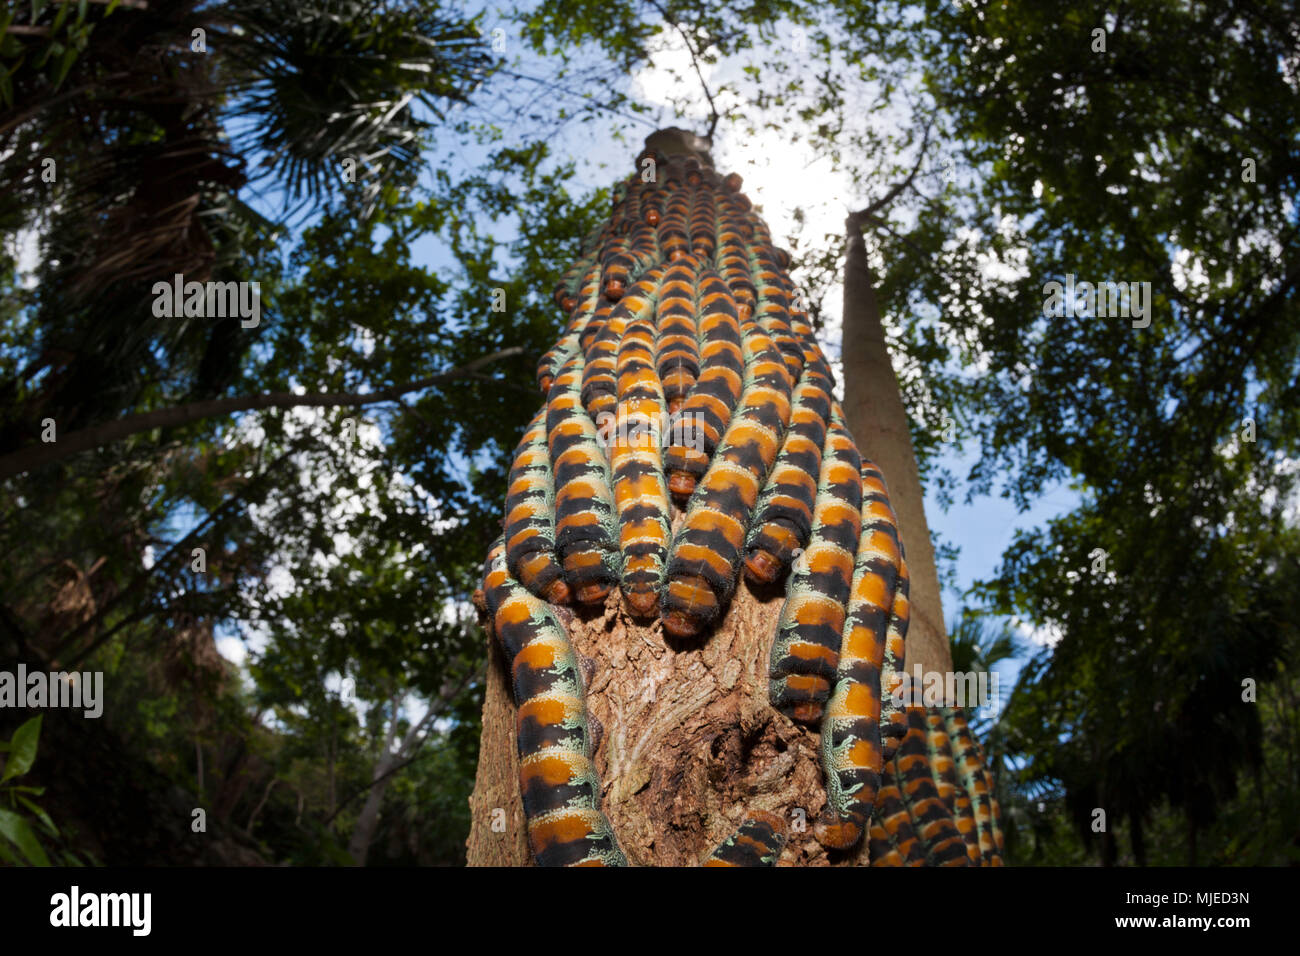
x=874, y=409
x=687, y=744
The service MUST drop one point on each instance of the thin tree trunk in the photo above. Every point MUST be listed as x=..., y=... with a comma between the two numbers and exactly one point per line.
x=873, y=406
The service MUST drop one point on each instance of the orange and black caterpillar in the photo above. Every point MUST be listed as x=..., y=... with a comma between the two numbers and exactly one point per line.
x=673, y=232
x=677, y=353
x=705, y=557
x=893, y=676
x=703, y=418
x=806, y=651
x=586, y=532
x=975, y=782
x=784, y=517
x=758, y=842
x=942, y=842
x=944, y=771
x=530, y=517
x=892, y=818
x=851, y=753
x=774, y=305
x=640, y=491
x=585, y=301
x=557, y=779
x=598, y=375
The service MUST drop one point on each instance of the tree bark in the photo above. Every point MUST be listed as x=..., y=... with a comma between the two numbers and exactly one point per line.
x=873, y=407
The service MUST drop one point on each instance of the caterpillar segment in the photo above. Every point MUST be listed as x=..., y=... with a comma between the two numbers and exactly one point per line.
x=599, y=385
x=640, y=491
x=784, y=517
x=891, y=813
x=588, y=296
x=705, y=556
x=893, y=690
x=733, y=264
x=568, y=289
x=942, y=843
x=880, y=852
x=673, y=231
x=557, y=778
x=850, y=735
x=586, y=531
x=530, y=517
x=616, y=268
x=757, y=842
x=943, y=769
x=971, y=766
x=806, y=650
x=677, y=352
x=703, y=418
x=773, y=304
x=703, y=225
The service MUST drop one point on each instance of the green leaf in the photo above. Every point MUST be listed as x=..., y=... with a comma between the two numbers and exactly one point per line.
x=65, y=64
x=17, y=831
x=40, y=815
x=22, y=749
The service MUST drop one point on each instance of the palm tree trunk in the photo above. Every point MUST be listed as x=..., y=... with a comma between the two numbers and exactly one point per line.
x=874, y=409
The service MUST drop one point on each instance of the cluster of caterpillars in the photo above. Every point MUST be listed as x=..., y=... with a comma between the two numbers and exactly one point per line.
x=690, y=435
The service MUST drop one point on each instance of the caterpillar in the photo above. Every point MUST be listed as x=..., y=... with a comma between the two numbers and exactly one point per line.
x=705, y=555
x=850, y=736
x=783, y=520
x=579, y=316
x=880, y=851
x=598, y=384
x=971, y=764
x=640, y=492
x=704, y=415
x=733, y=264
x=616, y=267
x=758, y=842
x=672, y=233
x=944, y=772
x=893, y=719
x=894, y=819
x=806, y=650
x=530, y=517
x=703, y=225
x=585, y=530
x=774, y=307
x=557, y=779
x=943, y=845
x=677, y=351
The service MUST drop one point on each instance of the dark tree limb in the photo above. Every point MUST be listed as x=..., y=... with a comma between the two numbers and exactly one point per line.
x=34, y=456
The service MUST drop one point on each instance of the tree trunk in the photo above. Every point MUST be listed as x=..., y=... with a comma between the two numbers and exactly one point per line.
x=363, y=832
x=684, y=738
x=877, y=419
x=687, y=744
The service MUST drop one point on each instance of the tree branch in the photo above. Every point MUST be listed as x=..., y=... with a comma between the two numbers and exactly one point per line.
x=34, y=456
x=857, y=218
x=714, y=116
